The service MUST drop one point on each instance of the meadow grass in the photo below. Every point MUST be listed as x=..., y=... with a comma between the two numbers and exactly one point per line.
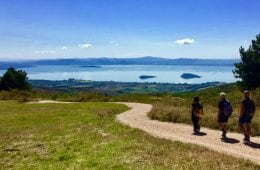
x=166, y=107
x=86, y=136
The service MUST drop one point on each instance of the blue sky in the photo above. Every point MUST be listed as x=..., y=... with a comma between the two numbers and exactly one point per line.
x=34, y=29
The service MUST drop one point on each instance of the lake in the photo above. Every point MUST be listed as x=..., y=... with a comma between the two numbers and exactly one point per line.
x=131, y=73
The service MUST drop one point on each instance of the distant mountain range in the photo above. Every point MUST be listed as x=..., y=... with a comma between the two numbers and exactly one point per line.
x=121, y=61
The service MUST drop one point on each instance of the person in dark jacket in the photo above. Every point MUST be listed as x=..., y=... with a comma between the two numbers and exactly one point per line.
x=246, y=115
x=195, y=109
x=224, y=112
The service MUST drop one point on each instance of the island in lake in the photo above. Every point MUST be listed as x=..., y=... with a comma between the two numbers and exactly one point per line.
x=143, y=77
x=189, y=76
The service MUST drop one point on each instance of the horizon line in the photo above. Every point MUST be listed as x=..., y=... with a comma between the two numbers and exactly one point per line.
x=62, y=58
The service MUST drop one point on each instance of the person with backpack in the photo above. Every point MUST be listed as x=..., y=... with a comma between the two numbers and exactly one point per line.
x=225, y=111
x=196, y=114
x=247, y=112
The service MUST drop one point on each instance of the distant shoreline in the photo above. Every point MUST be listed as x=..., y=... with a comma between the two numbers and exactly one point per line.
x=112, y=87
x=124, y=61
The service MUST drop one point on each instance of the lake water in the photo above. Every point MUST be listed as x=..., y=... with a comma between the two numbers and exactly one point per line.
x=131, y=73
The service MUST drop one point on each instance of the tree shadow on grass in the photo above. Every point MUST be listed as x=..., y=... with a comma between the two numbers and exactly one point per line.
x=199, y=133
x=230, y=140
x=253, y=145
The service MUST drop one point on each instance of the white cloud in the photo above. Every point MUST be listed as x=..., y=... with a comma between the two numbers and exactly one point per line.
x=45, y=52
x=113, y=43
x=64, y=48
x=86, y=45
x=185, y=41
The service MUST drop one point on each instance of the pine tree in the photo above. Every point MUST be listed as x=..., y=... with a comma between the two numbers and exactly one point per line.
x=248, y=70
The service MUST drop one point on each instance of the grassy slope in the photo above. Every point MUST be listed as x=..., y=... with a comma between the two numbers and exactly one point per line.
x=85, y=135
x=176, y=108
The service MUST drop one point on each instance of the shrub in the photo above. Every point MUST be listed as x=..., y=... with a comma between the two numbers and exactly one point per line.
x=13, y=79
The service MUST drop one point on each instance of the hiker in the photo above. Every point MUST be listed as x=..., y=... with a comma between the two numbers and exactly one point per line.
x=224, y=112
x=196, y=114
x=246, y=114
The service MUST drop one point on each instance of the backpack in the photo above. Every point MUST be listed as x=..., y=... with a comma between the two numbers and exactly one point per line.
x=200, y=112
x=227, y=109
x=250, y=107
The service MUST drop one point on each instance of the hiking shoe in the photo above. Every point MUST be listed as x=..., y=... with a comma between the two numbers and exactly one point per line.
x=246, y=139
x=224, y=134
x=198, y=129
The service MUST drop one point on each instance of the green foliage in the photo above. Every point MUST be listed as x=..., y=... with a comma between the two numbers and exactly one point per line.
x=14, y=79
x=249, y=67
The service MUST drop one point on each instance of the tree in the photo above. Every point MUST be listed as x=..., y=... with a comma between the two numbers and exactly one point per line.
x=249, y=67
x=13, y=79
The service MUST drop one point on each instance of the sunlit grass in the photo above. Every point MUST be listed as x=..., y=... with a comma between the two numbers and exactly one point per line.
x=86, y=136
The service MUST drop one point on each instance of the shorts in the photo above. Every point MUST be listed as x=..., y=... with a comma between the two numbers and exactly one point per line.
x=245, y=119
x=223, y=119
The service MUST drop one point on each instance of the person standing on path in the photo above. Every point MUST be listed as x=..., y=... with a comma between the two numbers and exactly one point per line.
x=246, y=115
x=224, y=112
x=196, y=113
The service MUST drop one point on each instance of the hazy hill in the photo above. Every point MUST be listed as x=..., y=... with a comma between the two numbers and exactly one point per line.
x=122, y=61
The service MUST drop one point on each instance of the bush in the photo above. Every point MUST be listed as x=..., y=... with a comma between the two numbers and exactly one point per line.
x=13, y=79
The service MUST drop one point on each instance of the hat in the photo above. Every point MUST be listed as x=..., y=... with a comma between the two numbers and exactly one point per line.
x=222, y=94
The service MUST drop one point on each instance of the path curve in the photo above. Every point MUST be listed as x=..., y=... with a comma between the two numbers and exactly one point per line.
x=137, y=117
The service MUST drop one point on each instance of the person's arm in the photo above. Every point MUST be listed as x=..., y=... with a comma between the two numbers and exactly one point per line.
x=219, y=111
x=242, y=109
x=192, y=109
x=218, y=116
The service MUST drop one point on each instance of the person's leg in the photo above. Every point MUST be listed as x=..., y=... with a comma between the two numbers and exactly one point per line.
x=242, y=130
x=197, y=124
x=224, y=130
x=245, y=132
x=242, y=127
x=193, y=122
x=220, y=125
x=247, y=129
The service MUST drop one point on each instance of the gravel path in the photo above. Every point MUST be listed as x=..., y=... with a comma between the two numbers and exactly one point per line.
x=137, y=118
x=47, y=101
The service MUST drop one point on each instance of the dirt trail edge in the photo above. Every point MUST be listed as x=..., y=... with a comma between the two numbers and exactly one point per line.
x=137, y=117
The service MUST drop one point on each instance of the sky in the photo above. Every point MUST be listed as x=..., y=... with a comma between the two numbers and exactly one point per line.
x=37, y=29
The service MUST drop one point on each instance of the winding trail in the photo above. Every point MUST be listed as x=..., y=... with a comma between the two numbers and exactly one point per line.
x=137, y=117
